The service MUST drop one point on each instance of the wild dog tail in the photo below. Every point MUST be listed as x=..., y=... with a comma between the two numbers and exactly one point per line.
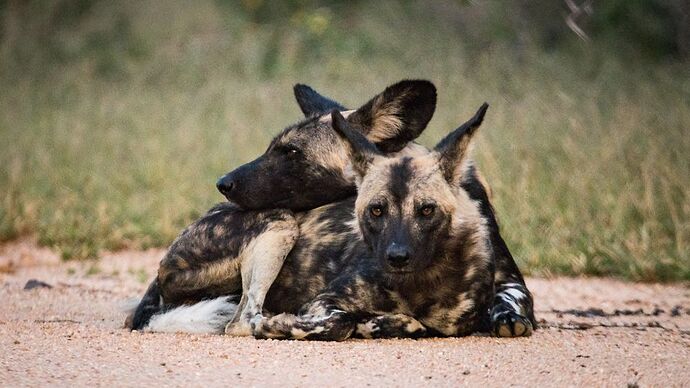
x=208, y=316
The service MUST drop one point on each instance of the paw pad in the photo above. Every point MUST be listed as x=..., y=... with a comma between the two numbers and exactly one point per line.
x=511, y=324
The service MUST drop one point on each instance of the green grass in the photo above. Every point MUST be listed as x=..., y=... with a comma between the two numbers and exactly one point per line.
x=117, y=118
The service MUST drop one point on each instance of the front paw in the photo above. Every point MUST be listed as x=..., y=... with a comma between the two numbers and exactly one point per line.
x=276, y=327
x=238, y=329
x=511, y=324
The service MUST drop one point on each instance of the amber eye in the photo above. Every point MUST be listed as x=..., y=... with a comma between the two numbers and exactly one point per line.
x=428, y=210
x=376, y=211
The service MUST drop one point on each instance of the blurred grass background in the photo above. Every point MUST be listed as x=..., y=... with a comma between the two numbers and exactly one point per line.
x=116, y=118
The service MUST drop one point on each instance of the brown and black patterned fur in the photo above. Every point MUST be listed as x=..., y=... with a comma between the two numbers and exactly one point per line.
x=205, y=260
x=304, y=167
x=422, y=263
x=512, y=311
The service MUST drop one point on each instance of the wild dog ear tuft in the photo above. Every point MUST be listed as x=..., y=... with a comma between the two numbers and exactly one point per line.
x=453, y=149
x=398, y=115
x=361, y=150
x=312, y=103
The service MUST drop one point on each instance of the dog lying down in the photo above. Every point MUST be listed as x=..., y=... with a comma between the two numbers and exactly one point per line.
x=424, y=267
x=288, y=229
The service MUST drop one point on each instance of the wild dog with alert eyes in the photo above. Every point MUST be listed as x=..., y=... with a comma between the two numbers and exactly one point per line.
x=240, y=248
x=425, y=265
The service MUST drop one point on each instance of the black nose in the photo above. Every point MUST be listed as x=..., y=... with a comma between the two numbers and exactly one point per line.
x=225, y=185
x=398, y=255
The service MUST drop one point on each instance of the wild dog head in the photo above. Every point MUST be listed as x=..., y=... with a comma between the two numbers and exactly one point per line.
x=306, y=166
x=412, y=210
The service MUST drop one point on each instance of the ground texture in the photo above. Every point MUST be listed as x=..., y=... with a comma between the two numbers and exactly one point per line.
x=595, y=332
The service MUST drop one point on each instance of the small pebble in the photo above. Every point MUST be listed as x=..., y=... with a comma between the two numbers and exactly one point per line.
x=33, y=283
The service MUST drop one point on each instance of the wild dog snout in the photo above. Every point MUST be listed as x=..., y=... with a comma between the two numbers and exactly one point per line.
x=226, y=184
x=398, y=255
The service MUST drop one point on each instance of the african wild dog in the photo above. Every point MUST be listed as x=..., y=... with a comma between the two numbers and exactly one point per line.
x=424, y=265
x=231, y=250
x=253, y=186
x=304, y=167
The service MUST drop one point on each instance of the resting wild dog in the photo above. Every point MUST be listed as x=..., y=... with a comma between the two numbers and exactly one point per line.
x=425, y=265
x=304, y=167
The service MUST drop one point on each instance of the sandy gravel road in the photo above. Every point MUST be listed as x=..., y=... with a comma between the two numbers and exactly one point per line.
x=596, y=332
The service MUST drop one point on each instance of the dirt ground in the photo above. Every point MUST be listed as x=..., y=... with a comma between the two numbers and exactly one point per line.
x=596, y=332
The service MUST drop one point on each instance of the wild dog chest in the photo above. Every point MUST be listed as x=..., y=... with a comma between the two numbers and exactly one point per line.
x=447, y=303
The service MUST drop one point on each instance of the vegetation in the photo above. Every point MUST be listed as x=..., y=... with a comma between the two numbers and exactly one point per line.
x=116, y=118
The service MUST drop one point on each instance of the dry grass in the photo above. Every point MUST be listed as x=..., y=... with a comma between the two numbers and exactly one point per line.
x=114, y=127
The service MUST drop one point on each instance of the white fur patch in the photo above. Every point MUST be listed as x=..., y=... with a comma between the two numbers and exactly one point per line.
x=367, y=329
x=208, y=316
x=353, y=224
x=506, y=299
x=515, y=293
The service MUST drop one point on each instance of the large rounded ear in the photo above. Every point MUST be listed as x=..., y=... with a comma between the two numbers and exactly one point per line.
x=398, y=115
x=453, y=149
x=361, y=151
x=312, y=103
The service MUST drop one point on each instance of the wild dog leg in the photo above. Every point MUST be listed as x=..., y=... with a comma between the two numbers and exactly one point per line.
x=261, y=264
x=149, y=305
x=206, y=260
x=511, y=308
x=391, y=326
x=512, y=314
x=333, y=325
x=320, y=320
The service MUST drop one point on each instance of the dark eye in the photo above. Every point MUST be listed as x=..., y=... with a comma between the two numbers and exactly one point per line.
x=376, y=210
x=289, y=149
x=427, y=210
